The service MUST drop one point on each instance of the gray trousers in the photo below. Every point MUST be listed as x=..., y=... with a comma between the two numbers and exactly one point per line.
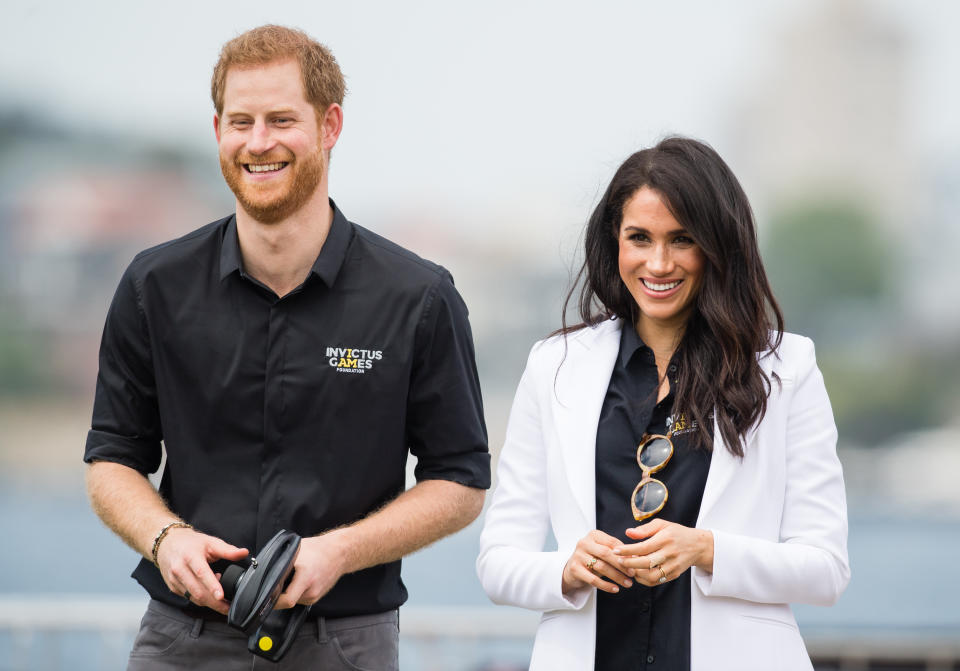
x=169, y=640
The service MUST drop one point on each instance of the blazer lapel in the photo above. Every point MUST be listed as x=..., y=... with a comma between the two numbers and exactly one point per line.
x=722, y=467
x=581, y=386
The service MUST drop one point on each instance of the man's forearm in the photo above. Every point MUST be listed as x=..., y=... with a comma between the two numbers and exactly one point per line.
x=127, y=503
x=419, y=516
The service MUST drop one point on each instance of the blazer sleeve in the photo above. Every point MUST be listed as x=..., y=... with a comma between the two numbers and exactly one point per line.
x=809, y=564
x=512, y=566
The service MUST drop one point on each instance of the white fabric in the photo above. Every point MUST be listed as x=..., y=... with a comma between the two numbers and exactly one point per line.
x=778, y=516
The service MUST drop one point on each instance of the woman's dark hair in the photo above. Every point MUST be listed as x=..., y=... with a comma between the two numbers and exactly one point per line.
x=735, y=314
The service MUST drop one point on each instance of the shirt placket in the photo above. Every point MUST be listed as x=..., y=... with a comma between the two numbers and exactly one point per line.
x=272, y=503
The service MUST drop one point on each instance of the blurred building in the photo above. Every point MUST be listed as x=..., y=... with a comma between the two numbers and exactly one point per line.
x=830, y=120
x=74, y=210
x=830, y=111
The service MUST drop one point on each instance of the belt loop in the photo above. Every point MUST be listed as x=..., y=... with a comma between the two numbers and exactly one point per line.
x=322, y=629
x=197, y=628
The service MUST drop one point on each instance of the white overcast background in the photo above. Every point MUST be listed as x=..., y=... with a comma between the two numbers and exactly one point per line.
x=477, y=109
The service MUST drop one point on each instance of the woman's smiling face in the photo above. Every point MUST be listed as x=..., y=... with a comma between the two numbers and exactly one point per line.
x=660, y=264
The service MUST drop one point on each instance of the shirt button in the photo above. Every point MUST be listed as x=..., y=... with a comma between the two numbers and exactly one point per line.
x=650, y=659
x=645, y=606
x=672, y=368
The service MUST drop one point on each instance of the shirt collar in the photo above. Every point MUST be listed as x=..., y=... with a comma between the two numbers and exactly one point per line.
x=630, y=343
x=229, y=249
x=327, y=265
x=334, y=250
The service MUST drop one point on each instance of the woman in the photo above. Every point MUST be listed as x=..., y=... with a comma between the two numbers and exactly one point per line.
x=680, y=447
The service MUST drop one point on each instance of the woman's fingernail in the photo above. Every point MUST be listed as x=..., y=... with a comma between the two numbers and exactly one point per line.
x=616, y=589
x=627, y=583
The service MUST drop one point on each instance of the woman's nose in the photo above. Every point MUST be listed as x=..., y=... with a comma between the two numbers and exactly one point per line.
x=660, y=261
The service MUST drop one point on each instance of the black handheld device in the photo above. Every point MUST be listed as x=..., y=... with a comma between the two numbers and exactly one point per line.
x=252, y=588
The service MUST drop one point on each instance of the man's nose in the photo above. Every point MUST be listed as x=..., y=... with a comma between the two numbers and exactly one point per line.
x=261, y=139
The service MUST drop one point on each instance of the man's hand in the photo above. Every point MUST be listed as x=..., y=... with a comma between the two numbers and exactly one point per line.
x=320, y=563
x=184, y=559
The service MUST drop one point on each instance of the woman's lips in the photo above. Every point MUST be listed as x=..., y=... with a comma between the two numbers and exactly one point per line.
x=660, y=288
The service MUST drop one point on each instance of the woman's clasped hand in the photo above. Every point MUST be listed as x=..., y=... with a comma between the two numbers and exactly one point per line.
x=595, y=563
x=664, y=552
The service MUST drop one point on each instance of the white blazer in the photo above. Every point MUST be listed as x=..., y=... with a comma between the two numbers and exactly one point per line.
x=778, y=516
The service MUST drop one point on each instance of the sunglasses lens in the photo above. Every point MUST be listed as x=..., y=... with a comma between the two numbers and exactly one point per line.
x=655, y=452
x=650, y=497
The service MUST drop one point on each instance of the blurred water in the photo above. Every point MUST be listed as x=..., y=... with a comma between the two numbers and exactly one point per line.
x=53, y=544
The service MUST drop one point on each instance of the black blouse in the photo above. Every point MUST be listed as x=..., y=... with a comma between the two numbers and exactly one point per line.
x=644, y=627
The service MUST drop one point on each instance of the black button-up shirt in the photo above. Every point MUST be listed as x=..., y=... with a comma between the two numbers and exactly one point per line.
x=644, y=627
x=294, y=412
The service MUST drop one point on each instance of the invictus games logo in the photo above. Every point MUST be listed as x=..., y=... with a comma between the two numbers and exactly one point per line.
x=352, y=359
x=678, y=425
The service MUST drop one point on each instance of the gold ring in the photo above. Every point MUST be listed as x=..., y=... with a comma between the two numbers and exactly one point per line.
x=589, y=564
x=663, y=576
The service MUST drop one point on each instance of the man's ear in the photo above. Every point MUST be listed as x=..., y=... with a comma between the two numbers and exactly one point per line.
x=216, y=127
x=330, y=126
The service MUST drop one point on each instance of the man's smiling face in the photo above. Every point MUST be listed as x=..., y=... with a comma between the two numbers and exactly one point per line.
x=269, y=140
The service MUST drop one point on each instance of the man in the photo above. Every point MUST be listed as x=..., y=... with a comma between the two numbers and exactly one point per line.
x=288, y=359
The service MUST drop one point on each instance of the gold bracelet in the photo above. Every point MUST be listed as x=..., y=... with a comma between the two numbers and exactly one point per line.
x=163, y=534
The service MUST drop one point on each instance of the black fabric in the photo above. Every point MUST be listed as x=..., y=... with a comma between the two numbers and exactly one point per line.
x=294, y=412
x=643, y=627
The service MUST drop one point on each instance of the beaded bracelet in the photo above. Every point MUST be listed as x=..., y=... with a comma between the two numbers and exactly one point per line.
x=163, y=533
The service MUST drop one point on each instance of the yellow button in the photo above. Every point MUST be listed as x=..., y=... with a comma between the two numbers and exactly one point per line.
x=266, y=643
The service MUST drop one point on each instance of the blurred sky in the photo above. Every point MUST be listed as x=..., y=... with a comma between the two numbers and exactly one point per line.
x=475, y=108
